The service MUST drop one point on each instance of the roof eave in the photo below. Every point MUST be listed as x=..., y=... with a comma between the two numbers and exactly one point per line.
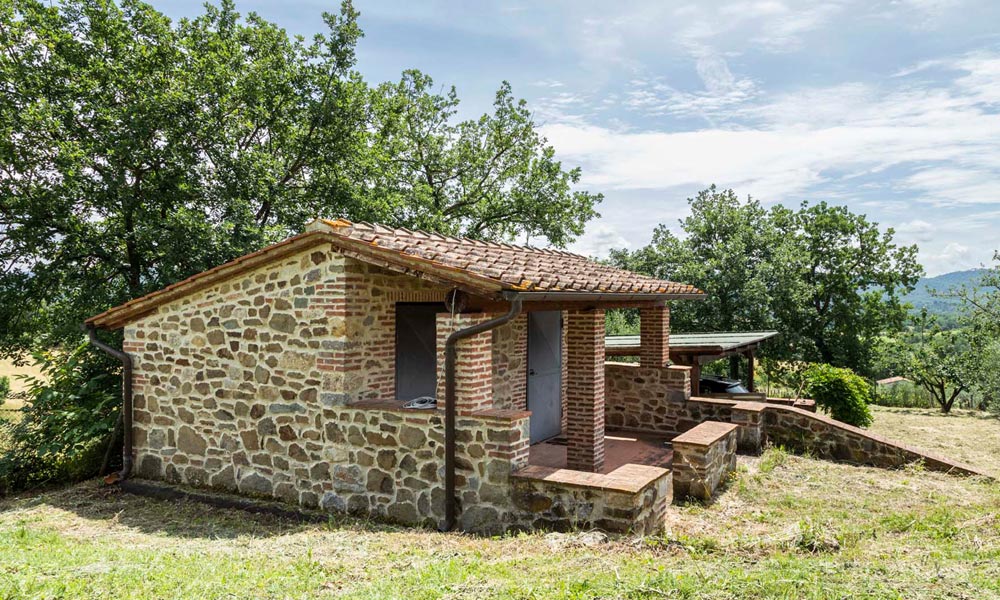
x=586, y=296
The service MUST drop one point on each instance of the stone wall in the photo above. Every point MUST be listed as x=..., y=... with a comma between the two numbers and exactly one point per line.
x=388, y=463
x=659, y=401
x=510, y=364
x=824, y=437
x=218, y=370
x=254, y=384
x=642, y=399
x=704, y=456
x=631, y=499
x=651, y=399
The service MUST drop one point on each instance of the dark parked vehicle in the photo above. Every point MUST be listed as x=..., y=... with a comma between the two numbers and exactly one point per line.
x=721, y=385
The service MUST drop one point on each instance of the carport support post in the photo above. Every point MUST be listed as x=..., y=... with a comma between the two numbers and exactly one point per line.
x=654, y=336
x=750, y=372
x=696, y=377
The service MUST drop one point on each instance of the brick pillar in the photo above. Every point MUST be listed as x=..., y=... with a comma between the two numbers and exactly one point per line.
x=474, y=364
x=654, y=336
x=585, y=390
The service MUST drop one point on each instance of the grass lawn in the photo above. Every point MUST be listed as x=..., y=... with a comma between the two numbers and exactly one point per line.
x=966, y=435
x=787, y=527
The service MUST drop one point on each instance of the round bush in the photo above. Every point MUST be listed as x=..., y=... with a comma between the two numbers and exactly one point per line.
x=841, y=392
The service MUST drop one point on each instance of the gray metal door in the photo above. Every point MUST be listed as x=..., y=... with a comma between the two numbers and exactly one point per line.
x=416, y=350
x=545, y=374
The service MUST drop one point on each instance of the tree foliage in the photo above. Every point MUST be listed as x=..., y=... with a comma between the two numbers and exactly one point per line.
x=980, y=303
x=841, y=282
x=724, y=251
x=65, y=423
x=135, y=152
x=943, y=362
x=493, y=177
x=827, y=279
x=979, y=319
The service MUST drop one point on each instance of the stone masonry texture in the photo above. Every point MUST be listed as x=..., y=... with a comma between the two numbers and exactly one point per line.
x=279, y=383
x=253, y=385
x=704, y=457
x=659, y=401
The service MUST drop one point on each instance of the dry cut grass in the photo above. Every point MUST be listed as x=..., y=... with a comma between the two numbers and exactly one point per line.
x=969, y=436
x=785, y=527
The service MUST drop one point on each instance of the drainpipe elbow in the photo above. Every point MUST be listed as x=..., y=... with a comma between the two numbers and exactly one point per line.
x=451, y=355
x=126, y=361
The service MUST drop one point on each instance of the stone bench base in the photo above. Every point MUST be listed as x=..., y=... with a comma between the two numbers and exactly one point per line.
x=703, y=457
x=630, y=499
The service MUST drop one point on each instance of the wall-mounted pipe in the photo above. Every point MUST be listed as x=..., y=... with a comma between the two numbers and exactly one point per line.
x=126, y=361
x=450, y=357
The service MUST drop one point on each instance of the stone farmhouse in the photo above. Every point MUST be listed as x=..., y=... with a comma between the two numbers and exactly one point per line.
x=288, y=373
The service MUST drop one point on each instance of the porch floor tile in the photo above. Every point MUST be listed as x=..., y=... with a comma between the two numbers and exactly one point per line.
x=620, y=448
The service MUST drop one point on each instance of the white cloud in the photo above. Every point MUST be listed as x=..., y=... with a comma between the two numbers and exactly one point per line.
x=946, y=135
x=655, y=97
x=921, y=14
x=549, y=83
x=953, y=257
x=599, y=240
x=916, y=230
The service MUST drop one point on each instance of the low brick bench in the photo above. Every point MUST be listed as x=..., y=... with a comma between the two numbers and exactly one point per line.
x=703, y=456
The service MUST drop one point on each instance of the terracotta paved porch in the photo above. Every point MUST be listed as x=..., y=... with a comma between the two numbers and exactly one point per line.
x=620, y=448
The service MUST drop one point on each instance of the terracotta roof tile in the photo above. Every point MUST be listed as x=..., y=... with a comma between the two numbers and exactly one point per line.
x=520, y=267
x=481, y=265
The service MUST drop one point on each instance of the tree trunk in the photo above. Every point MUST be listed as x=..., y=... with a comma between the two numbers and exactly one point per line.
x=132, y=252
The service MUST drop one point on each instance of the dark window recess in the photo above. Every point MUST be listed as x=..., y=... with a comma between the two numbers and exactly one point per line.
x=416, y=350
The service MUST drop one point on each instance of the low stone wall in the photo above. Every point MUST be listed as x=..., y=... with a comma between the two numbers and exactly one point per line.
x=806, y=404
x=370, y=460
x=703, y=458
x=654, y=400
x=630, y=499
x=824, y=437
x=390, y=464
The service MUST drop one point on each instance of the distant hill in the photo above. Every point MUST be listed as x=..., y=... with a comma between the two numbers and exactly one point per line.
x=921, y=296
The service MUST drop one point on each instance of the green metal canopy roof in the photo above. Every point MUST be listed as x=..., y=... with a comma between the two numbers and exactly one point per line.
x=722, y=342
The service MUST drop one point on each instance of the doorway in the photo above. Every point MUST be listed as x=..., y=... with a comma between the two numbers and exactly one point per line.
x=545, y=374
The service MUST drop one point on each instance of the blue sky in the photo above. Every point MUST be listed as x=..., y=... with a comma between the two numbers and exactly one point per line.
x=890, y=107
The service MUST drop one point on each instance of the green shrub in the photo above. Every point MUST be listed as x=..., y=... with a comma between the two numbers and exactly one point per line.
x=66, y=423
x=841, y=392
x=4, y=388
